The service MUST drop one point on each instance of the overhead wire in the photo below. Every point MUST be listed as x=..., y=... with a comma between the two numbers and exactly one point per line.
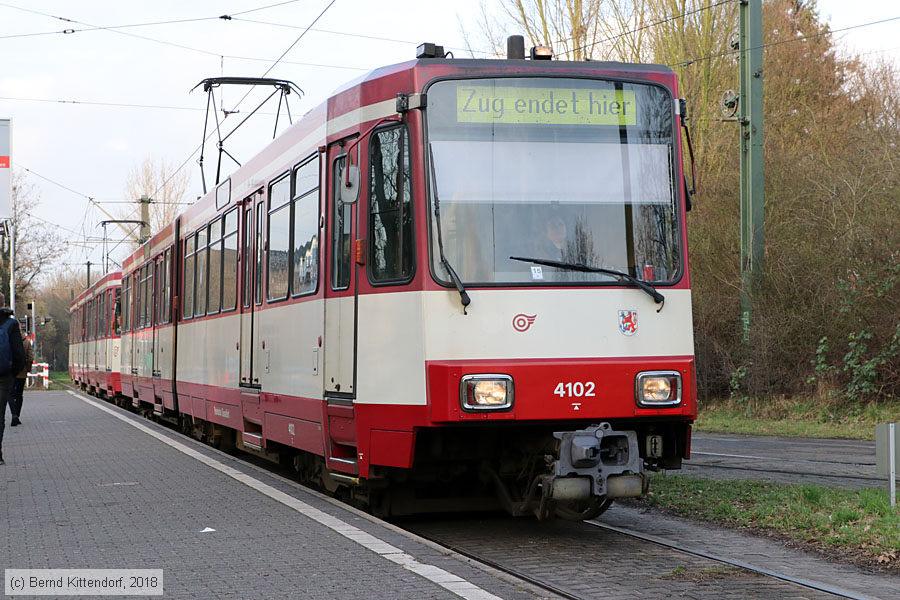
x=357, y=35
x=89, y=198
x=283, y=54
x=244, y=12
x=110, y=104
x=653, y=24
x=244, y=97
x=97, y=103
x=127, y=26
x=780, y=42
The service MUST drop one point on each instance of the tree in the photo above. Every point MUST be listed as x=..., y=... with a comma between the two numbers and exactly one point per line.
x=54, y=296
x=828, y=304
x=158, y=180
x=569, y=26
x=37, y=245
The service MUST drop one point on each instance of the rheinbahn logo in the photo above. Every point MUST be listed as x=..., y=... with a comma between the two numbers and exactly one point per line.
x=521, y=322
x=628, y=322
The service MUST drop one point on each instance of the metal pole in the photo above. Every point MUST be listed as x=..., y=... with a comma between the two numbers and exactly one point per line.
x=12, y=266
x=892, y=461
x=751, y=106
x=89, y=273
x=145, y=218
x=33, y=328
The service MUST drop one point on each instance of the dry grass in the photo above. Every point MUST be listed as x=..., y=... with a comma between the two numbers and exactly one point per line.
x=824, y=415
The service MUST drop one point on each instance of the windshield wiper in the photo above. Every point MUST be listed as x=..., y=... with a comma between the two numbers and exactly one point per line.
x=463, y=295
x=657, y=297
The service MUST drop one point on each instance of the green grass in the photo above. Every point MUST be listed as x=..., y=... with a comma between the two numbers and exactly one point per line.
x=60, y=376
x=821, y=416
x=56, y=379
x=858, y=524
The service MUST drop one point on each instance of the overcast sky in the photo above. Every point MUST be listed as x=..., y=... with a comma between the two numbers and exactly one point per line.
x=132, y=84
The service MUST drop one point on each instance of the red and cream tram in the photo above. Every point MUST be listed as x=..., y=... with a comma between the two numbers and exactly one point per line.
x=455, y=284
x=94, y=343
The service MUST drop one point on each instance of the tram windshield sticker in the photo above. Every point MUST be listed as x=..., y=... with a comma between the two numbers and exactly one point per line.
x=545, y=106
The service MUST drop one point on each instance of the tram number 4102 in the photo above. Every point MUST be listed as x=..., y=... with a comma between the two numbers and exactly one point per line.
x=575, y=389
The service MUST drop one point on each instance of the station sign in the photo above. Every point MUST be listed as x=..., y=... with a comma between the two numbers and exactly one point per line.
x=5, y=169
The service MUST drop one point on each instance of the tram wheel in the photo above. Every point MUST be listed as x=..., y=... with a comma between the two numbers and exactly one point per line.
x=583, y=510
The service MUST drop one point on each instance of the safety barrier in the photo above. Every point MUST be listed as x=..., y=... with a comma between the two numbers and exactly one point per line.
x=40, y=375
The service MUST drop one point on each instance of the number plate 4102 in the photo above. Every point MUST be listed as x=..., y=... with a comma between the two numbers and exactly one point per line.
x=575, y=389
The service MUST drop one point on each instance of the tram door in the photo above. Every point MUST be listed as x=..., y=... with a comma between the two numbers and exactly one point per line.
x=340, y=290
x=253, y=216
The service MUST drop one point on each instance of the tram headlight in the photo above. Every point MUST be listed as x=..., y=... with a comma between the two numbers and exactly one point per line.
x=658, y=388
x=486, y=392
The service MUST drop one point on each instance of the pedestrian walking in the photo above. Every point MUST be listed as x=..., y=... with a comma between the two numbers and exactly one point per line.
x=15, y=404
x=12, y=359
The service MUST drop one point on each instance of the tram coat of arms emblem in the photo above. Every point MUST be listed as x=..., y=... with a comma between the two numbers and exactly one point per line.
x=628, y=322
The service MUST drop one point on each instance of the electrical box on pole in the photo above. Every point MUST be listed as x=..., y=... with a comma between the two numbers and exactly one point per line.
x=751, y=120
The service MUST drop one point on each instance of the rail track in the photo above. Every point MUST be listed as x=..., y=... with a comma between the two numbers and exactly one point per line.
x=840, y=463
x=582, y=560
x=622, y=562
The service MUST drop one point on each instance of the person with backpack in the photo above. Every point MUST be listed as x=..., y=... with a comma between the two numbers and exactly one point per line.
x=15, y=403
x=12, y=359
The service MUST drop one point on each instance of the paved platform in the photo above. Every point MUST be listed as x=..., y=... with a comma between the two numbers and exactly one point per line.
x=89, y=486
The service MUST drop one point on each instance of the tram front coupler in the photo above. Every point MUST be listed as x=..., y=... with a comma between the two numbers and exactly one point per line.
x=596, y=462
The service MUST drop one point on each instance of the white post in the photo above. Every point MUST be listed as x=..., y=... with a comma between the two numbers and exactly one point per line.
x=892, y=461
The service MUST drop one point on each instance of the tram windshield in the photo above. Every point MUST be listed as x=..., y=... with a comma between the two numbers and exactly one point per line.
x=570, y=170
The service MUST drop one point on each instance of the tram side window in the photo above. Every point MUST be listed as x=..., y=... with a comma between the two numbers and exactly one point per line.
x=390, y=206
x=215, y=267
x=279, y=231
x=140, y=298
x=248, y=264
x=108, y=314
x=111, y=312
x=124, y=303
x=229, y=261
x=340, y=267
x=102, y=316
x=146, y=294
x=166, y=313
x=260, y=219
x=201, y=274
x=151, y=295
x=305, y=234
x=158, y=291
x=188, y=284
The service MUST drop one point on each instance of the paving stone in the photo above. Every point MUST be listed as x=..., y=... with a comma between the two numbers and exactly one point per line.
x=82, y=489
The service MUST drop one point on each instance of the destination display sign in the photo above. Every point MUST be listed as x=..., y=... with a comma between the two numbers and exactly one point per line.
x=545, y=106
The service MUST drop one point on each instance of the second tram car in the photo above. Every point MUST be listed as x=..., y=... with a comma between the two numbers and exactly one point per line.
x=94, y=344
x=455, y=284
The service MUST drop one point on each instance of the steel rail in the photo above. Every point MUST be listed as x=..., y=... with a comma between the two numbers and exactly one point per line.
x=789, y=460
x=814, y=585
x=535, y=581
x=784, y=472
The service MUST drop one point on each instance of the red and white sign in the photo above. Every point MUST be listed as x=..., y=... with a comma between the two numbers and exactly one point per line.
x=5, y=171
